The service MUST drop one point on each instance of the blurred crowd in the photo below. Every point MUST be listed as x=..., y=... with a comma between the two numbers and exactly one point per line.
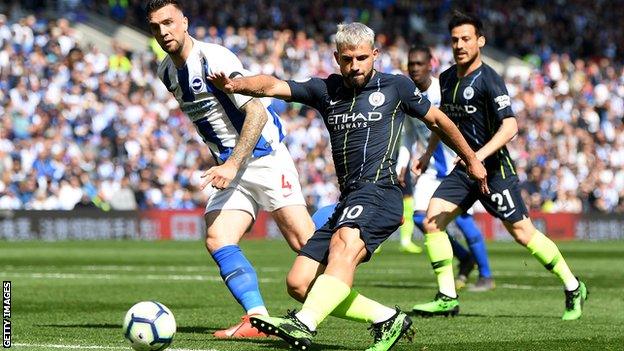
x=85, y=129
x=540, y=27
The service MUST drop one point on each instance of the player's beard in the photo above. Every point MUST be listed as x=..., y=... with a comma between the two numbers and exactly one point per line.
x=470, y=59
x=176, y=49
x=359, y=83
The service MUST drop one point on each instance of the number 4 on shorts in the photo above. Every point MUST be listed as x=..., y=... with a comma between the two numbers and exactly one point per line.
x=286, y=186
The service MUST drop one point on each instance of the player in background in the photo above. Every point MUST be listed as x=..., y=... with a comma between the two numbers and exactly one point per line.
x=440, y=160
x=406, y=230
x=363, y=110
x=476, y=98
x=254, y=169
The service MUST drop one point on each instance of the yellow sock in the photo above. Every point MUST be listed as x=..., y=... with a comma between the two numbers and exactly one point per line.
x=407, y=228
x=548, y=254
x=357, y=307
x=440, y=254
x=326, y=294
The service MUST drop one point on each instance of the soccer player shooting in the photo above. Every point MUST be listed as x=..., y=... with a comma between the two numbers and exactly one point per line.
x=363, y=110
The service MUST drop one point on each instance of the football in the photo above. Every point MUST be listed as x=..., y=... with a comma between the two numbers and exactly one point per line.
x=149, y=325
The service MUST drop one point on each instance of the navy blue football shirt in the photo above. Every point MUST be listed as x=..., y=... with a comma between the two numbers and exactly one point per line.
x=478, y=103
x=364, y=124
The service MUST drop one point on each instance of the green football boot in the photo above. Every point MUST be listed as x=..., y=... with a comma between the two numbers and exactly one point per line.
x=441, y=305
x=574, y=301
x=289, y=328
x=386, y=334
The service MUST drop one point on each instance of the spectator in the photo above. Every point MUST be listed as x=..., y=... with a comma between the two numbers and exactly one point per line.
x=80, y=124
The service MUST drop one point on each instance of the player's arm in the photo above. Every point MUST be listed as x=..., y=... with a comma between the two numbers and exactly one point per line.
x=408, y=138
x=414, y=104
x=255, y=119
x=506, y=132
x=499, y=101
x=440, y=124
x=420, y=165
x=258, y=86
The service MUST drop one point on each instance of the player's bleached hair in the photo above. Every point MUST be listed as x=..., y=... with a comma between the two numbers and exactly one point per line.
x=353, y=34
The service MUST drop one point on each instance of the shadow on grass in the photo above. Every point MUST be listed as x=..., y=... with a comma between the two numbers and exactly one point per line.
x=274, y=343
x=543, y=316
x=396, y=285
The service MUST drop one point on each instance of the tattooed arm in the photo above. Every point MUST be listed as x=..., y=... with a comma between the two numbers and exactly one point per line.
x=255, y=119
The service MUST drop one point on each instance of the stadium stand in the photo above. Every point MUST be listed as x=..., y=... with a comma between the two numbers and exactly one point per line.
x=81, y=128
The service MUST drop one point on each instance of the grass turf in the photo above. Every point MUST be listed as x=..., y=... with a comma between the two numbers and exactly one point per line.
x=76, y=293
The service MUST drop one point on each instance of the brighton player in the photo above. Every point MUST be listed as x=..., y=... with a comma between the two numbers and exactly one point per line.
x=476, y=98
x=363, y=110
x=437, y=161
x=245, y=137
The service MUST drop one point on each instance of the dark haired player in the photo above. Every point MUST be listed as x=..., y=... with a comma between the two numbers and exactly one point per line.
x=440, y=159
x=475, y=98
x=245, y=136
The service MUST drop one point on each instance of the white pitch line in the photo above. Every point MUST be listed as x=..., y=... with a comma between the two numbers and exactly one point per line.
x=57, y=346
x=92, y=347
x=211, y=269
x=37, y=275
x=503, y=286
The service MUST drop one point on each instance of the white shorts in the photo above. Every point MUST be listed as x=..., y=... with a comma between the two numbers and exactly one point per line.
x=269, y=183
x=426, y=185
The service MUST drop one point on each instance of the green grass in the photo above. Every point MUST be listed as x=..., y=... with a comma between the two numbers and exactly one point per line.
x=76, y=293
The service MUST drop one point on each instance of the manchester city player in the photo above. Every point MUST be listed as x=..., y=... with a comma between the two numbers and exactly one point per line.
x=440, y=159
x=363, y=110
x=476, y=98
x=245, y=137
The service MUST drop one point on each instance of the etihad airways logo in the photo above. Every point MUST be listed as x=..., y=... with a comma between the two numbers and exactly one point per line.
x=352, y=120
x=458, y=111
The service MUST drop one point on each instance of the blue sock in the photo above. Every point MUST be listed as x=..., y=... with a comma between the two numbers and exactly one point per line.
x=322, y=215
x=419, y=218
x=239, y=276
x=475, y=241
x=458, y=250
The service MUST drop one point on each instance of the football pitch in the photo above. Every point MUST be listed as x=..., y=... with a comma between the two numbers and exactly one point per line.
x=73, y=296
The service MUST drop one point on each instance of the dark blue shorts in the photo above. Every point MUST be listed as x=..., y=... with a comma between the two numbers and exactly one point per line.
x=504, y=200
x=376, y=210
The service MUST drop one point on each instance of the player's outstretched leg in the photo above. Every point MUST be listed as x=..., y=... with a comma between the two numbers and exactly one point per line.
x=548, y=254
x=386, y=334
x=388, y=325
x=289, y=328
x=225, y=227
x=574, y=302
x=240, y=278
x=474, y=238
